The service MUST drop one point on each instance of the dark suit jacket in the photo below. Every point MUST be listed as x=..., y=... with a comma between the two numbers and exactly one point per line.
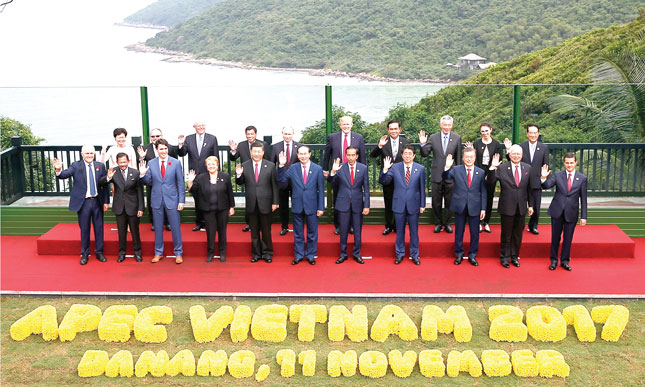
x=412, y=195
x=150, y=152
x=170, y=188
x=128, y=194
x=264, y=192
x=386, y=151
x=565, y=201
x=473, y=197
x=222, y=191
x=358, y=194
x=279, y=147
x=438, y=157
x=334, y=148
x=243, y=152
x=307, y=198
x=493, y=148
x=540, y=158
x=197, y=161
x=511, y=196
x=77, y=171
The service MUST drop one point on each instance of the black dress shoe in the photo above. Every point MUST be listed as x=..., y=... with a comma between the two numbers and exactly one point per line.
x=196, y=228
x=169, y=229
x=506, y=265
x=83, y=259
x=566, y=266
x=448, y=229
x=337, y=231
x=255, y=259
x=138, y=258
x=398, y=260
x=534, y=231
x=341, y=260
x=473, y=261
x=209, y=258
x=393, y=230
x=246, y=228
x=284, y=231
x=295, y=261
x=459, y=259
x=120, y=259
x=416, y=260
x=386, y=231
x=515, y=262
x=222, y=257
x=351, y=230
x=312, y=261
x=437, y=228
x=101, y=257
x=552, y=266
x=359, y=260
x=152, y=228
x=267, y=259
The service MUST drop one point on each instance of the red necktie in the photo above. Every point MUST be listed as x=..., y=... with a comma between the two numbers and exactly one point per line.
x=163, y=169
x=517, y=175
x=470, y=178
x=351, y=175
x=570, y=180
x=345, y=145
x=256, y=172
x=407, y=175
x=288, y=155
x=304, y=175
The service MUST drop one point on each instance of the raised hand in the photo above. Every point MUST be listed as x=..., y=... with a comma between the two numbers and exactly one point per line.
x=110, y=172
x=142, y=152
x=387, y=163
x=383, y=141
x=508, y=143
x=58, y=165
x=336, y=166
x=143, y=168
x=468, y=144
x=233, y=145
x=496, y=162
x=449, y=161
x=239, y=169
x=423, y=137
x=180, y=140
x=282, y=159
x=191, y=175
x=545, y=171
x=103, y=152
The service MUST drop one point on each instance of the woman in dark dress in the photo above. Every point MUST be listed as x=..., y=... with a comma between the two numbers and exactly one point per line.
x=217, y=202
x=486, y=148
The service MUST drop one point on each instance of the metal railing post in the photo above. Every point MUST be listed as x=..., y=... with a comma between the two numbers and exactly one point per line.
x=516, y=114
x=145, y=118
x=18, y=163
x=329, y=125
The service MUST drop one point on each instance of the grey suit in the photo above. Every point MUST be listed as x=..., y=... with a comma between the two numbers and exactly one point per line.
x=441, y=189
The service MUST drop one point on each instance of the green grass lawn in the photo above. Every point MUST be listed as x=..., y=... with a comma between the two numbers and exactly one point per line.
x=37, y=362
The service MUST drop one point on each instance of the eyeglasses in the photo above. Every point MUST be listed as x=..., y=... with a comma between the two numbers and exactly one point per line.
x=151, y=136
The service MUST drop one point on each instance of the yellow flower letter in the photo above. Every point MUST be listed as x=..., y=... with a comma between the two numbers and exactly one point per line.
x=506, y=324
x=40, y=320
x=79, y=318
x=241, y=364
x=117, y=323
x=269, y=323
x=614, y=317
x=402, y=365
x=393, y=320
x=578, y=316
x=342, y=322
x=307, y=316
x=145, y=329
x=345, y=363
x=205, y=330
x=212, y=363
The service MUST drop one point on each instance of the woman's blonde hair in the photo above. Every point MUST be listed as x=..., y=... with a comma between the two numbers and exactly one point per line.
x=212, y=158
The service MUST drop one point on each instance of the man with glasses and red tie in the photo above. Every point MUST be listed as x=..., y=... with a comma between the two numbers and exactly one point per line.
x=337, y=144
x=570, y=198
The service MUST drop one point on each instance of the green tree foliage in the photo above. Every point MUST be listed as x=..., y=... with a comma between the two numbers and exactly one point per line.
x=170, y=12
x=11, y=128
x=399, y=39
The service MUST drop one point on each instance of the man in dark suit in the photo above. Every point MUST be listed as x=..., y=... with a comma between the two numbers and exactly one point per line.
x=261, y=193
x=468, y=202
x=409, y=180
x=514, y=198
x=87, y=198
x=536, y=154
x=390, y=146
x=127, y=205
x=290, y=149
x=441, y=144
x=335, y=148
x=147, y=153
x=242, y=151
x=198, y=147
x=570, y=197
x=166, y=177
x=307, y=202
x=351, y=181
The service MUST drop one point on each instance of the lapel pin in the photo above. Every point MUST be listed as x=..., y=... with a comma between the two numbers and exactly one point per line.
x=415, y=169
x=476, y=173
x=577, y=178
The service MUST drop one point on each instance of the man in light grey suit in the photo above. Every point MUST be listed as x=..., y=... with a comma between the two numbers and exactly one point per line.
x=441, y=144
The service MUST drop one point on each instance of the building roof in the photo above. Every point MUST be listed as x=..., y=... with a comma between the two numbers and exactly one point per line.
x=472, y=57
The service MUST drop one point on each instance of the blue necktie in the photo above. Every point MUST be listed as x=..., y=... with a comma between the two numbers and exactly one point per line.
x=92, y=182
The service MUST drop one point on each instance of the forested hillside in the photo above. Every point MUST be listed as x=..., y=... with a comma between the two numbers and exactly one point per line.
x=390, y=38
x=170, y=12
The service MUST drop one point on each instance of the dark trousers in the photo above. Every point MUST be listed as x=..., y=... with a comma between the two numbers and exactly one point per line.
x=150, y=212
x=124, y=220
x=261, y=243
x=199, y=214
x=91, y=214
x=216, y=222
x=388, y=194
x=413, y=223
x=558, y=225
x=460, y=227
x=299, y=251
x=537, y=201
x=490, y=194
x=284, y=195
x=334, y=197
x=511, y=237
x=355, y=220
x=442, y=192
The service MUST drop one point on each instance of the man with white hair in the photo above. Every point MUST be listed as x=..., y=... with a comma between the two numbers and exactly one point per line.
x=87, y=198
x=514, y=198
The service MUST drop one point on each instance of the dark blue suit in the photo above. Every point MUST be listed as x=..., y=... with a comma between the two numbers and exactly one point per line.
x=306, y=200
x=351, y=200
x=166, y=194
x=90, y=210
x=467, y=202
x=407, y=200
x=564, y=210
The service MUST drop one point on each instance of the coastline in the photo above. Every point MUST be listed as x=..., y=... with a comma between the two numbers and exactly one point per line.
x=182, y=57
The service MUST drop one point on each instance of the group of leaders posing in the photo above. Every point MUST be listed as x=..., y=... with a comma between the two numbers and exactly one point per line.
x=274, y=174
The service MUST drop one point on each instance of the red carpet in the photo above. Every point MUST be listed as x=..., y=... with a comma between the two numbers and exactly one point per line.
x=23, y=270
x=589, y=242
